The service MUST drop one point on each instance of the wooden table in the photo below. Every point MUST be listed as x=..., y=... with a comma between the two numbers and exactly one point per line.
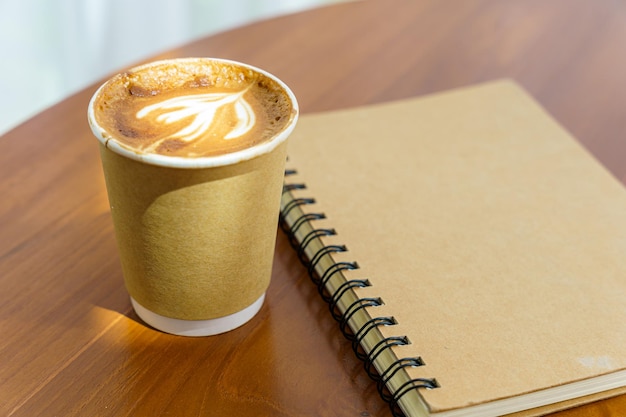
x=70, y=343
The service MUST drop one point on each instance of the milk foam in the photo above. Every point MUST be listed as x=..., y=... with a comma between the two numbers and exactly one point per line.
x=193, y=112
x=202, y=108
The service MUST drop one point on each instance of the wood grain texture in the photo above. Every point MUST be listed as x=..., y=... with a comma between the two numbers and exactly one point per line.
x=71, y=344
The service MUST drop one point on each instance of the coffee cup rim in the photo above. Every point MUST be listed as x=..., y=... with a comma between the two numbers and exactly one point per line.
x=109, y=141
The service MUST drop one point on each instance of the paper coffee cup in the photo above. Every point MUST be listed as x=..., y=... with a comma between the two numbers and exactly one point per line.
x=196, y=235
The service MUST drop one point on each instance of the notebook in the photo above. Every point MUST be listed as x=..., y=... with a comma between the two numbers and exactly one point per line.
x=470, y=249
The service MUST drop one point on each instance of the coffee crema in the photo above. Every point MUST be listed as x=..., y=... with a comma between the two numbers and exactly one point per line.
x=193, y=108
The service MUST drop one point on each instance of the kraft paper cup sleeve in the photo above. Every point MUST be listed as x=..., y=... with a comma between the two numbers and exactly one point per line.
x=195, y=235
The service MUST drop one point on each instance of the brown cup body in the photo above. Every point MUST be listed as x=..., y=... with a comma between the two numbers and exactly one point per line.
x=195, y=244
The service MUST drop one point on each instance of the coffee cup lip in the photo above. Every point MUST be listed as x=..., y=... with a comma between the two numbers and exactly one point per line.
x=109, y=141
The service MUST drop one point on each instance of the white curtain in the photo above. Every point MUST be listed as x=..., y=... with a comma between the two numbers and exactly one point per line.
x=51, y=48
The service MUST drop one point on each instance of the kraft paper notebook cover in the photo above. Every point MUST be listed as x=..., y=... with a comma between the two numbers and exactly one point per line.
x=472, y=251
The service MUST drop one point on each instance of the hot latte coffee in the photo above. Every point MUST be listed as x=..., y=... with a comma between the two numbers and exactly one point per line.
x=194, y=108
x=193, y=152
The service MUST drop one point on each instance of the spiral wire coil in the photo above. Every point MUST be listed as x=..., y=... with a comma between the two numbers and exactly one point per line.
x=333, y=299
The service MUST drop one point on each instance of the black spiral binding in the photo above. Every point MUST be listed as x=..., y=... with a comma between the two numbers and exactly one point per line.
x=328, y=274
x=356, y=337
x=343, y=288
x=364, y=330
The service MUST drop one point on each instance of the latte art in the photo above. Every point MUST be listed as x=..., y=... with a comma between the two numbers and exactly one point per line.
x=192, y=108
x=201, y=110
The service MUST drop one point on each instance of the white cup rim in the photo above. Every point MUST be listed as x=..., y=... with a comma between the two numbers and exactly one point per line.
x=266, y=147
